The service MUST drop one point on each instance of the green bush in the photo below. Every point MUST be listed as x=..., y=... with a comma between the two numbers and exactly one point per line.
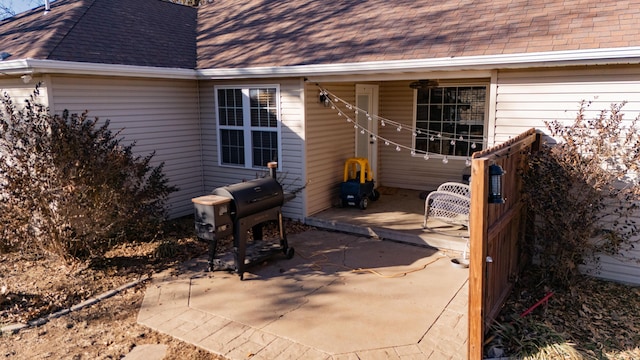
x=70, y=187
x=583, y=191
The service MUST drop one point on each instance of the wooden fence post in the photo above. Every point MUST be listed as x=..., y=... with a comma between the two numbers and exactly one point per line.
x=477, y=255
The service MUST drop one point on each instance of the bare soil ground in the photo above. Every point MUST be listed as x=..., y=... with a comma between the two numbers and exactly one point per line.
x=34, y=287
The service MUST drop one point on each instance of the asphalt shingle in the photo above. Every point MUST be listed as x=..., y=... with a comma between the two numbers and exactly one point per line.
x=128, y=32
x=257, y=33
x=265, y=33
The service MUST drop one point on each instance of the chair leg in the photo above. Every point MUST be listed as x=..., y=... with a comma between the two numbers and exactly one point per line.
x=426, y=212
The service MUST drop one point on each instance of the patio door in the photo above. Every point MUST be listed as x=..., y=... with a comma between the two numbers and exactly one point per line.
x=366, y=144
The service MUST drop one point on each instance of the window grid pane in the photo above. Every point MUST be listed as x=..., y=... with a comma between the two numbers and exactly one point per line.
x=451, y=113
x=263, y=107
x=265, y=147
x=232, y=147
x=230, y=107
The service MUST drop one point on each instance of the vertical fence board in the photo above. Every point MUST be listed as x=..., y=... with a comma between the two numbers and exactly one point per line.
x=477, y=255
x=495, y=231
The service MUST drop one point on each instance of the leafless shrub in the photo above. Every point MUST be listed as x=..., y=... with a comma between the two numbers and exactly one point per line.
x=69, y=187
x=584, y=190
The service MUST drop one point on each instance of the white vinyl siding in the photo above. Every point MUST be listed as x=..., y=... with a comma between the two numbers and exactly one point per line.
x=290, y=171
x=330, y=141
x=158, y=115
x=19, y=91
x=526, y=99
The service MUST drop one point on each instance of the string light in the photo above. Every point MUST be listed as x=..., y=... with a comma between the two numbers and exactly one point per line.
x=432, y=135
x=357, y=110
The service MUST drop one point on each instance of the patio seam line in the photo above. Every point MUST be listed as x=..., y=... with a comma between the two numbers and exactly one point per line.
x=443, y=310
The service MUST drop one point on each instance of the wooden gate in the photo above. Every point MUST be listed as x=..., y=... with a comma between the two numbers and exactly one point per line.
x=495, y=232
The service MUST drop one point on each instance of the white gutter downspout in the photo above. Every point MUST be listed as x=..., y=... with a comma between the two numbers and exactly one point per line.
x=47, y=7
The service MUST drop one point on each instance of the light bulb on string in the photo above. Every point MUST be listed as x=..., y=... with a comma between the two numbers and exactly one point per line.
x=445, y=160
x=460, y=138
x=399, y=128
x=355, y=126
x=386, y=143
x=362, y=131
x=397, y=148
x=382, y=123
x=374, y=138
x=414, y=134
x=333, y=107
x=432, y=138
x=439, y=135
x=413, y=152
x=419, y=132
x=473, y=145
x=426, y=156
x=453, y=143
x=468, y=162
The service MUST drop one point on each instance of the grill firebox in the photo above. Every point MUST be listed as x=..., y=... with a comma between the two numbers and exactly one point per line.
x=237, y=208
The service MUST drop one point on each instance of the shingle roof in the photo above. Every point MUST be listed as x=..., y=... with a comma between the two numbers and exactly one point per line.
x=254, y=33
x=265, y=33
x=129, y=32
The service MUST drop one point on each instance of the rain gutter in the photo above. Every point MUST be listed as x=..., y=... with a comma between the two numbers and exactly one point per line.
x=610, y=56
x=630, y=55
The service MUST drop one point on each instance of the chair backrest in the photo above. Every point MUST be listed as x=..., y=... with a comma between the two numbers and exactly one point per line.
x=456, y=188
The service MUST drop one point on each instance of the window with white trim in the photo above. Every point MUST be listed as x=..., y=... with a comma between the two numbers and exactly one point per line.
x=451, y=120
x=248, y=126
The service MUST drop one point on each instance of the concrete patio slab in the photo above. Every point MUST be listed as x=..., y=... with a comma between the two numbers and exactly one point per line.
x=341, y=297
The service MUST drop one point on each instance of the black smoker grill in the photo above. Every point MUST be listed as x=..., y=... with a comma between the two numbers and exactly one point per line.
x=235, y=209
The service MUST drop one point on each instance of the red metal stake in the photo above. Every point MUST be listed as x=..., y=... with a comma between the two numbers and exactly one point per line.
x=543, y=300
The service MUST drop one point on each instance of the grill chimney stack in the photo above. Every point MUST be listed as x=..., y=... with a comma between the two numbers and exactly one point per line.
x=273, y=166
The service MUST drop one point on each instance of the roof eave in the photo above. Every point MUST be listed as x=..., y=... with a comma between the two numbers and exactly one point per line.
x=37, y=66
x=612, y=56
